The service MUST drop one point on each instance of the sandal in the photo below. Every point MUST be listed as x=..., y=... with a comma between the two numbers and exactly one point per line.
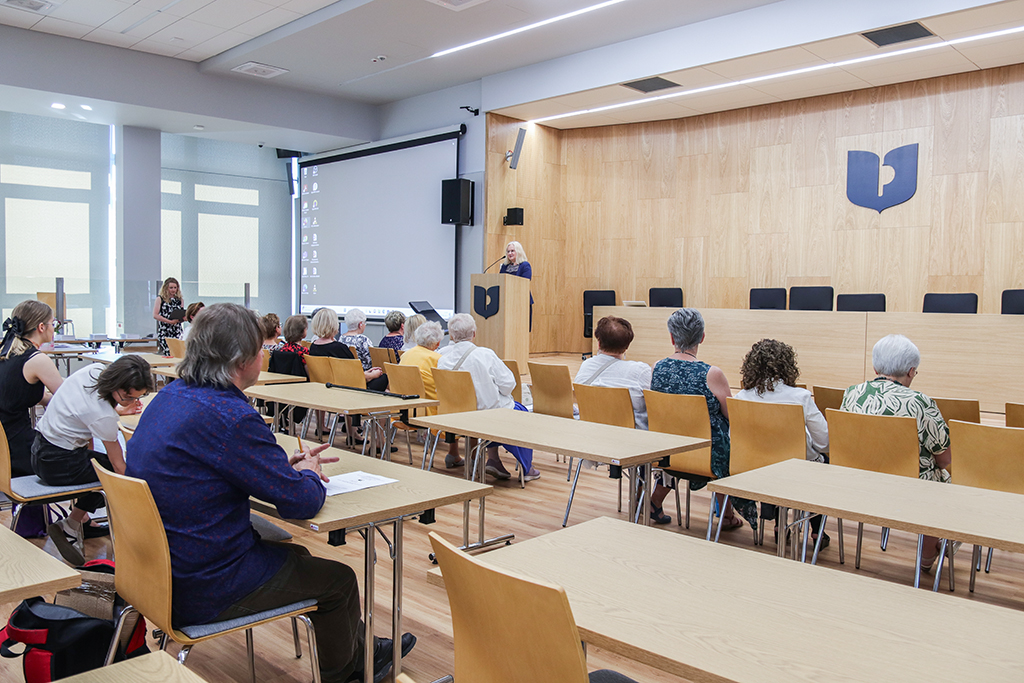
x=731, y=523
x=658, y=516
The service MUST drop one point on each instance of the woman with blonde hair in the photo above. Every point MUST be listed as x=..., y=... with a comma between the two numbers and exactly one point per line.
x=168, y=311
x=325, y=326
x=515, y=263
x=27, y=378
x=411, y=323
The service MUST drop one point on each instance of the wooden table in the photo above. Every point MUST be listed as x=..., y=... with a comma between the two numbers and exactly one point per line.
x=67, y=355
x=155, y=667
x=963, y=513
x=265, y=377
x=627, y=448
x=707, y=612
x=27, y=571
x=370, y=510
x=154, y=360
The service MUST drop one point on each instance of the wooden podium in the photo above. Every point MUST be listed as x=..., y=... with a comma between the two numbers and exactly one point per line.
x=506, y=327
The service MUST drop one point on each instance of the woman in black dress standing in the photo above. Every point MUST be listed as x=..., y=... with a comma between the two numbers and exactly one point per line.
x=169, y=301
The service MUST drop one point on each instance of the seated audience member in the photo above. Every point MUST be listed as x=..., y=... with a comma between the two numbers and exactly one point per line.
x=325, y=326
x=895, y=360
x=425, y=356
x=204, y=451
x=607, y=368
x=294, y=332
x=355, y=321
x=682, y=373
x=87, y=406
x=191, y=312
x=395, y=338
x=270, y=325
x=27, y=378
x=493, y=382
x=769, y=374
x=411, y=323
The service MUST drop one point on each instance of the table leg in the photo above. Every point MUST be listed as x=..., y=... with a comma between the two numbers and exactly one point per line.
x=370, y=532
x=917, y=562
x=780, y=544
x=396, y=599
x=632, y=493
x=649, y=488
x=572, y=492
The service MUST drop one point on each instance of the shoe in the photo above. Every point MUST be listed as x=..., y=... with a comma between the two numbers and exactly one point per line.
x=95, y=530
x=496, y=473
x=450, y=463
x=825, y=540
x=68, y=541
x=531, y=475
x=658, y=516
x=383, y=656
x=731, y=523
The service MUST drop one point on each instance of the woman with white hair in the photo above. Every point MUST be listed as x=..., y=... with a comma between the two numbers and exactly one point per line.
x=515, y=263
x=325, y=326
x=895, y=360
x=355, y=321
x=425, y=356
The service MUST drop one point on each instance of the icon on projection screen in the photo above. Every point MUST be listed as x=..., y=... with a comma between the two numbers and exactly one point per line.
x=314, y=253
x=305, y=222
x=314, y=238
x=316, y=170
x=304, y=172
x=305, y=189
x=305, y=288
x=305, y=206
x=314, y=205
x=305, y=254
x=305, y=238
x=304, y=273
x=314, y=289
x=316, y=187
x=315, y=224
x=314, y=271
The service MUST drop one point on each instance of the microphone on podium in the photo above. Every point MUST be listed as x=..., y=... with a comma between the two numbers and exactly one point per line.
x=492, y=265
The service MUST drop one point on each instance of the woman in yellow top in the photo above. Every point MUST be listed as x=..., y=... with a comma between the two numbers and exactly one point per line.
x=425, y=356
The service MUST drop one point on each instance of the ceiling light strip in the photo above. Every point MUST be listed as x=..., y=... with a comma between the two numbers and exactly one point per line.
x=784, y=74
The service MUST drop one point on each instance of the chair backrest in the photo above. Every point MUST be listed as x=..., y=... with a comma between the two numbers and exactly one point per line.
x=963, y=302
x=770, y=298
x=607, y=405
x=1015, y=414
x=496, y=613
x=320, y=370
x=5, y=465
x=348, y=372
x=872, y=303
x=379, y=355
x=665, y=297
x=287, y=363
x=176, y=347
x=963, y=409
x=513, y=365
x=810, y=298
x=987, y=456
x=1013, y=302
x=405, y=379
x=354, y=350
x=763, y=433
x=143, y=575
x=827, y=397
x=551, y=389
x=591, y=298
x=455, y=391
x=880, y=443
x=684, y=415
x=265, y=365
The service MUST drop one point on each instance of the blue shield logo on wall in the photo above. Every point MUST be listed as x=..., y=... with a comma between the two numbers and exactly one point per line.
x=862, y=170
x=485, y=301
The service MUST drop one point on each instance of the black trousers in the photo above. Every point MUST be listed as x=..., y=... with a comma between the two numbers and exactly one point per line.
x=58, y=466
x=339, y=629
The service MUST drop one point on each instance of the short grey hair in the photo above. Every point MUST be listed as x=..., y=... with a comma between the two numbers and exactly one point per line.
x=894, y=356
x=394, y=320
x=222, y=339
x=429, y=334
x=412, y=323
x=461, y=327
x=325, y=323
x=686, y=327
x=353, y=318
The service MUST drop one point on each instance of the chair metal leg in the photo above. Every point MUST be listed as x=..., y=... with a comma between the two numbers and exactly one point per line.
x=620, y=494
x=721, y=518
x=952, y=578
x=975, y=564
x=917, y=560
x=988, y=562
x=252, y=655
x=860, y=539
x=314, y=656
x=295, y=637
x=17, y=515
x=884, y=542
x=938, y=567
x=163, y=641
x=183, y=654
x=568, y=476
x=112, y=648
x=679, y=509
x=842, y=548
x=817, y=543
x=408, y=444
x=687, y=503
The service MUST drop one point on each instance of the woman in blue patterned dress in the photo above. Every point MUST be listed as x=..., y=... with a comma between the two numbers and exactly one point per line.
x=682, y=373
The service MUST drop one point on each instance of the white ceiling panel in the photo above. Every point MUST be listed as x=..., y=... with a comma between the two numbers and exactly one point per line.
x=61, y=28
x=728, y=98
x=213, y=46
x=267, y=21
x=100, y=35
x=654, y=111
x=818, y=82
x=843, y=47
x=978, y=20
x=942, y=60
x=127, y=19
x=89, y=12
x=306, y=6
x=18, y=18
x=185, y=7
x=693, y=78
x=185, y=34
x=767, y=63
x=584, y=121
x=992, y=53
x=157, y=48
x=598, y=97
x=228, y=14
x=536, y=110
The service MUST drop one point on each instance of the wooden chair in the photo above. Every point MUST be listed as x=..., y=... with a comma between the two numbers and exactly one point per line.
x=30, y=490
x=305, y=342
x=381, y=355
x=683, y=415
x=265, y=365
x=827, y=397
x=457, y=394
x=988, y=457
x=495, y=612
x=355, y=353
x=406, y=380
x=1015, y=414
x=319, y=370
x=763, y=434
x=963, y=409
x=517, y=393
x=348, y=372
x=878, y=443
x=176, y=347
x=143, y=576
x=551, y=387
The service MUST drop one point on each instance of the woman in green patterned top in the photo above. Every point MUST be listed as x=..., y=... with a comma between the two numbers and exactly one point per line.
x=895, y=360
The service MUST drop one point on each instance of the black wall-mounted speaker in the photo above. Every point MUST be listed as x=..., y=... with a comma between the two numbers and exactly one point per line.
x=513, y=216
x=457, y=201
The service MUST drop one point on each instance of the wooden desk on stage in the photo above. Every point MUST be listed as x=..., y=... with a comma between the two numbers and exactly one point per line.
x=415, y=492
x=155, y=667
x=960, y=513
x=27, y=571
x=962, y=356
x=708, y=612
x=627, y=448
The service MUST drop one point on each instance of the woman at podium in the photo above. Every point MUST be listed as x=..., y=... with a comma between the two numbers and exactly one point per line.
x=515, y=263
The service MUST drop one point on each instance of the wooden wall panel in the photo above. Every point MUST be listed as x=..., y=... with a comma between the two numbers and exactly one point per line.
x=720, y=203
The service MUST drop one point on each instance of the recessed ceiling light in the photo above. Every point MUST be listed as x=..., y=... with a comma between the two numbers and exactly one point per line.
x=199, y=126
x=56, y=105
x=85, y=107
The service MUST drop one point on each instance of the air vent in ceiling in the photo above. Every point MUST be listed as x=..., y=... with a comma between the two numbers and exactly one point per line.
x=457, y=5
x=260, y=70
x=897, y=34
x=648, y=85
x=40, y=6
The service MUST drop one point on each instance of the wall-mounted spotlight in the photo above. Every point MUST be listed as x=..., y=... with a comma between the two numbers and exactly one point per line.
x=512, y=156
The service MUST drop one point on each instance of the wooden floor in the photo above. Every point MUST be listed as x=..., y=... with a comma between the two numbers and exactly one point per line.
x=527, y=513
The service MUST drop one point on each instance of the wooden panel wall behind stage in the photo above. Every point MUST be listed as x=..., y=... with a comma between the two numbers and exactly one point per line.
x=719, y=203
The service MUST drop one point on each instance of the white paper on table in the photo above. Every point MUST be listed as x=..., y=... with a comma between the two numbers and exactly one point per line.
x=355, y=481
